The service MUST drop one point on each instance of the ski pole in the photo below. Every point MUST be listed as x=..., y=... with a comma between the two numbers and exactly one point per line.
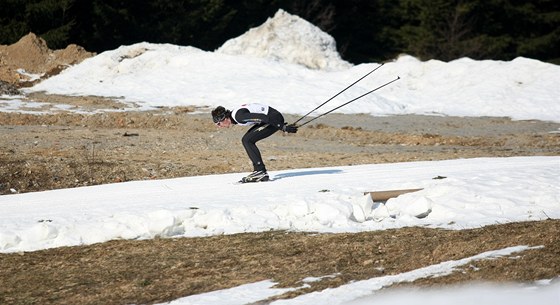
x=359, y=97
x=338, y=93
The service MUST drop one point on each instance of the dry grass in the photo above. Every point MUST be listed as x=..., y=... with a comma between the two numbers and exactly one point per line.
x=151, y=271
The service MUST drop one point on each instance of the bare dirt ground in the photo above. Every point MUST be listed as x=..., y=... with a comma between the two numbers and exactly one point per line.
x=68, y=149
x=71, y=147
x=31, y=55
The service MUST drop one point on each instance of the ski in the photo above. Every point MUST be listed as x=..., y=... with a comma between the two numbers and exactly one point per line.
x=253, y=182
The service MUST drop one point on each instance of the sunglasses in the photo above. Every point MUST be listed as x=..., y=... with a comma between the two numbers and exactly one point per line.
x=219, y=120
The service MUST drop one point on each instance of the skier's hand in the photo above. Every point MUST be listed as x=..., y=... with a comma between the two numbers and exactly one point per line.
x=289, y=128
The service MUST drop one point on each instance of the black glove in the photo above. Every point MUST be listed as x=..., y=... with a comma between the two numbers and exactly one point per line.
x=289, y=128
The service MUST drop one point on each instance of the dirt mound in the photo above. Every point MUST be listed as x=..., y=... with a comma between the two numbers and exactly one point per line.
x=30, y=56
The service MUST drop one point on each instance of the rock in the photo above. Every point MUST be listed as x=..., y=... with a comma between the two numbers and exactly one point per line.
x=8, y=89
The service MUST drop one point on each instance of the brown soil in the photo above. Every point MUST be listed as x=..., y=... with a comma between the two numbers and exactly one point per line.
x=68, y=149
x=152, y=271
x=32, y=54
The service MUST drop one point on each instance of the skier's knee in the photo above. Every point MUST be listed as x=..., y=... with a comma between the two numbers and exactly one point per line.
x=247, y=141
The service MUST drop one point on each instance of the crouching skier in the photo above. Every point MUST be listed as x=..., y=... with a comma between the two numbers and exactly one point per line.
x=264, y=120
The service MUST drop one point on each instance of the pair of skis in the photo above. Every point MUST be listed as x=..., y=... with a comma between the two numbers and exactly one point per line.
x=242, y=181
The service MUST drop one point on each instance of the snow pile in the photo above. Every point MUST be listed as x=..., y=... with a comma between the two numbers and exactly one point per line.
x=522, y=88
x=476, y=192
x=289, y=39
x=482, y=294
x=147, y=75
x=155, y=75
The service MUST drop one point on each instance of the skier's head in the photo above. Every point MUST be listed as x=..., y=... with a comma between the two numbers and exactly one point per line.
x=219, y=114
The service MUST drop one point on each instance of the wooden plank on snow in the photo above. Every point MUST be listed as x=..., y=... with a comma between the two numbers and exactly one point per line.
x=386, y=195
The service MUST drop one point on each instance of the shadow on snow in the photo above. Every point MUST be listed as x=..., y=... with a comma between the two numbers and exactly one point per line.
x=307, y=173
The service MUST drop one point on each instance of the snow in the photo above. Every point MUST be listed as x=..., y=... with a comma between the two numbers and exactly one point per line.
x=271, y=64
x=155, y=75
x=240, y=295
x=288, y=39
x=475, y=192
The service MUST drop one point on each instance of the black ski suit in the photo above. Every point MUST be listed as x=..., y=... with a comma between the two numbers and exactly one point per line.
x=265, y=120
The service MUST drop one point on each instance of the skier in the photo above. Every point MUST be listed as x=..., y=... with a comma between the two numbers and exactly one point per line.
x=265, y=121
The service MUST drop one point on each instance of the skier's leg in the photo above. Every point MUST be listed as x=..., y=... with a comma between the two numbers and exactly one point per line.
x=249, y=140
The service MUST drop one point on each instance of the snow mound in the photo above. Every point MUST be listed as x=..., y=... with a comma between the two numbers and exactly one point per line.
x=291, y=39
x=477, y=192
